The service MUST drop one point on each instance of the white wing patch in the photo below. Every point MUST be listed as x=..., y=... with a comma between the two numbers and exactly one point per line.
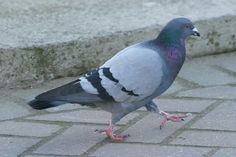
x=87, y=86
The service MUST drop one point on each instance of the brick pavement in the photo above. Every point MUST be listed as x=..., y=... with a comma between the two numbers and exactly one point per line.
x=206, y=87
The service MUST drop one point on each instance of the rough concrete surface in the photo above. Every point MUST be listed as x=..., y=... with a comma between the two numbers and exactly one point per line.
x=49, y=39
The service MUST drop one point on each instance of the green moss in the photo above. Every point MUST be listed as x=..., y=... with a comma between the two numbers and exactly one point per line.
x=233, y=36
x=41, y=60
x=217, y=44
x=211, y=38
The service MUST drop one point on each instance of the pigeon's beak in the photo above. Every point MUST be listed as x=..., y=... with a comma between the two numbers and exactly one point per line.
x=195, y=32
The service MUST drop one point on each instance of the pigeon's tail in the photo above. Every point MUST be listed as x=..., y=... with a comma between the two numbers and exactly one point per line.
x=41, y=104
x=69, y=93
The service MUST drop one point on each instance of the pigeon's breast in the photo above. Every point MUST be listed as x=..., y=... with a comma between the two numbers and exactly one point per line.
x=175, y=57
x=173, y=60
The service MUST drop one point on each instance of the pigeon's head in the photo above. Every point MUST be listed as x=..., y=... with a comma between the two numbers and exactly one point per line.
x=178, y=28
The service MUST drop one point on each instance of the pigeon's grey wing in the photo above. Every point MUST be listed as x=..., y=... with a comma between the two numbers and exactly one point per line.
x=133, y=74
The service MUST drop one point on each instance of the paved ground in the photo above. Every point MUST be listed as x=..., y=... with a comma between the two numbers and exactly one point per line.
x=206, y=87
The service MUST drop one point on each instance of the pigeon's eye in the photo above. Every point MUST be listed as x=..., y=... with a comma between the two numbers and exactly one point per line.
x=187, y=26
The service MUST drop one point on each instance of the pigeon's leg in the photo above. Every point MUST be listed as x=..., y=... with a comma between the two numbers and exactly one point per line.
x=152, y=107
x=171, y=117
x=109, y=132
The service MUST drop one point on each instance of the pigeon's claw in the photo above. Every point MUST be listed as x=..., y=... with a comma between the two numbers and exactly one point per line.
x=117, y=138
x=172, y=117
x=109, y=132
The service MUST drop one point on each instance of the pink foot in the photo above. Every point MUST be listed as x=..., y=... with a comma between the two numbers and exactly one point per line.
x=109, y=132
x=172, y=117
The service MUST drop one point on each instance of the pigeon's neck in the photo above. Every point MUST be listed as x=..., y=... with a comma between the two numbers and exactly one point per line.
x=173, y=52
x=172, y=43
x=172, y=48
x=170, y=39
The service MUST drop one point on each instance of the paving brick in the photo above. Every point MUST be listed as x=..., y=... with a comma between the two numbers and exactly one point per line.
x=10, y=109
x=226, y=60
x=199, y=73
x=85, y=116
x=206, y=138
x=147, y=129
x=74, y=141
x=40, y=156
x=176, y=86
x=220, y=92
x=225, y=152
x=13, y=146
x=221, y=118
x=30, y=93
x=27, y=128
x=181, y=105
x=139, y=150
x=26, y=94
x=65, y=107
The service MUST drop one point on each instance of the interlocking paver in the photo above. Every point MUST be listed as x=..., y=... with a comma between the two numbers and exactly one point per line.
x=65, y=107
x=147, y=130
x=40, y=156
x=225, y=152
x=27, y=128
x=182, y=105
x=176, y=86
x=84, y=116
x=74, y=141
x=219, y=92
x=13, y=146
x=141, y=150
x=226, y=61
x=221, y=118
x=199, y=73
x=206, y=138
x=26, y=94
x=30, y=93
x=10, y=109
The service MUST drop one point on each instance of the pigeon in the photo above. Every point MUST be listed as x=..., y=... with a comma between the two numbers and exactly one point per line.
x=131, y=79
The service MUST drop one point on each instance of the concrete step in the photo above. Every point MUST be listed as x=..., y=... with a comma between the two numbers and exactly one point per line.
x=48, y=39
